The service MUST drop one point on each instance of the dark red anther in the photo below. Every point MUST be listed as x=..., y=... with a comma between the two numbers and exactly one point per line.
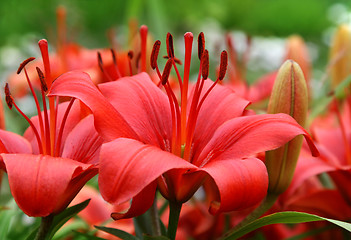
x=205, y=64
x=24, y=63
x=101, y=65
x=170, y=49
x=130, y=54
x=166, y=71
x=44, y=86
x=9, y=99
x=223, y=65
x=114, y=58
x=201, y=44
x=154, y=54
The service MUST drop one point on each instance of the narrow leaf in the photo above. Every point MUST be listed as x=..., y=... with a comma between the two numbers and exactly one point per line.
x=86, y=236
x=148, y=237
x=118, y=233
x=64, y=216
x=282, y=217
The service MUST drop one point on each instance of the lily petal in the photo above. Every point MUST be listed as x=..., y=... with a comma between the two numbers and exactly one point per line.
x=127, y=166
x=240, y=184
x=140, y=203
x=245, y=136
x=144, y=106
x=108, y=122
x=13, y=143
x=39, y=182
x=83, y=142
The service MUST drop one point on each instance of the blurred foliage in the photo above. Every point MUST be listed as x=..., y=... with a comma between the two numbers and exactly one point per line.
x=89, y=20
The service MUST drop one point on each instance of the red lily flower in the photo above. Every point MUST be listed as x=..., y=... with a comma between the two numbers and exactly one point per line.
x=154, y=142
x=57, y=155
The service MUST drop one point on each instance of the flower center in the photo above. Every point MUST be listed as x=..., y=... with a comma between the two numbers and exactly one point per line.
x=184, y=117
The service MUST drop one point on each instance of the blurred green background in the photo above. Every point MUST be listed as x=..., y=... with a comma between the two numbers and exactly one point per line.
x=89, y=20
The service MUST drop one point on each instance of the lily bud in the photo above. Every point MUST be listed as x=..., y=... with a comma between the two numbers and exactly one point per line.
x=340, y=55
x=290, y=96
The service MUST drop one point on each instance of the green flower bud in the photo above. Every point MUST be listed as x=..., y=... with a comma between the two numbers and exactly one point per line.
x=290, y=96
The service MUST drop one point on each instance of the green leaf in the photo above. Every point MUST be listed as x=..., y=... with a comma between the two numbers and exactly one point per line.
x=118, y=233
x=148, y=237
x=61, y=219
x=282, y=217
x=86, y=236
x=64, y=216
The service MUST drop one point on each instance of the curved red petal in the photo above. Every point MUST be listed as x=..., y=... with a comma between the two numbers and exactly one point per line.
x=127, y=166
x=246, y=136
x=83, y=142
x=39, y=182
x=13, y=143
x=140, y=203
x=144, y=106
x=239, y=184
x=108, y=121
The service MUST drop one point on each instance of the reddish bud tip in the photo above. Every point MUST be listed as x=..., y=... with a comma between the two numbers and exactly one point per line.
x=154, y=54
x=24, y=63
x=166, y=71
x=44, y=86
x=223, y=65
x=9, y=99
x=170, y=49
x=130, y=54
x=201, y=44
x=114, y=58
x=205, y=64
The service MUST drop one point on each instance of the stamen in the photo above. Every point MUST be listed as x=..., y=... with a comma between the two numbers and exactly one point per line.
x=154, y=54
x=9, y=99
x=170, y=49
x=43, y=45
x=59, y=138
x=44, y=87
x=24, y=63
x=41, y=125
x=166, y=71
x=143, y=38
x=10, y=102
x=101, y=66
x=223, y=65
x=114, y=58
x=201, y=44
x=205, y=64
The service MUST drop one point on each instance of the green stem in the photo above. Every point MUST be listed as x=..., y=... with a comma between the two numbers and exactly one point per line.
x=155, y=219
x=174, y=212
x=266, y=204
x=44, y=227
